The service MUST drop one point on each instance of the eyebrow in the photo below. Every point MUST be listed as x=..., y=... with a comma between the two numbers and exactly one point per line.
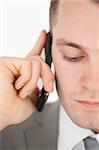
x=62, y=42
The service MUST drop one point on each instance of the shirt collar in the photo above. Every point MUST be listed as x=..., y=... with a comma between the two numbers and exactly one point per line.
x=69, y=133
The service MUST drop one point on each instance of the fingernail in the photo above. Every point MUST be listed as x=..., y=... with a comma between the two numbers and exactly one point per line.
x=19, y=86
x=25, y=94
x=51, y=84
x=43, y=31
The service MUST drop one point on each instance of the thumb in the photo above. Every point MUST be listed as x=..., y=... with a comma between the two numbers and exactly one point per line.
x=38, y=47
x=21, y=72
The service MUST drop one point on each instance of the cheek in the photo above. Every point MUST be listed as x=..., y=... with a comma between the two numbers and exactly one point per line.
x=68, y=74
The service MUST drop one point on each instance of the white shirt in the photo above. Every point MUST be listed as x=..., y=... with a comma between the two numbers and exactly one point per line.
x=69, y=133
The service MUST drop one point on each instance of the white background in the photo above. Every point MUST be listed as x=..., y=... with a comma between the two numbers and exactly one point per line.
x=21, y=22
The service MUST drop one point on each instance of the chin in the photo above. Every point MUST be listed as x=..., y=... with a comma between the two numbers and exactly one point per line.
x=82, y=117
x=85, y=120
x=89, y=125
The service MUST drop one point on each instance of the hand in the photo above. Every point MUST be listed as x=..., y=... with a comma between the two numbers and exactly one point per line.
x=18, y=84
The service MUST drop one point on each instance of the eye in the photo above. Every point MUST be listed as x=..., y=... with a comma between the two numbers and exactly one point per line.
x=73, y=59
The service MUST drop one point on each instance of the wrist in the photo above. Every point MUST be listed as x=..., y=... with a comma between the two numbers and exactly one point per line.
x=4, y=121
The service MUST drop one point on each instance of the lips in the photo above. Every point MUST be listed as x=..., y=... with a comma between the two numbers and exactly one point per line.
x=89, y=103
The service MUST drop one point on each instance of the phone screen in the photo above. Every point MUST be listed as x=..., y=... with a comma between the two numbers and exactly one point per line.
x=48, y=59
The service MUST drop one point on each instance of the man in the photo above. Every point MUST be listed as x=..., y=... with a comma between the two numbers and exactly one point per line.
x=75, y=54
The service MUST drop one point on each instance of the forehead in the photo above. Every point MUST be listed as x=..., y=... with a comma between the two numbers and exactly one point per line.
x=78, y=21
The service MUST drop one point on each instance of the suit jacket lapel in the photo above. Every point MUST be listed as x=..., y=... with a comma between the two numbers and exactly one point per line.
x=41, y=131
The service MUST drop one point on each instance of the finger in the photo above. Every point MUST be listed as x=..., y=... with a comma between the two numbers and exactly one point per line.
x=46, y=74
x=48, y=78
x=39, y=69
x=37, y=49
x=32, y=83
x=25, y=74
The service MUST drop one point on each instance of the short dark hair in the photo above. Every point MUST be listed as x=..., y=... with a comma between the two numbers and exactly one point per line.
x=53, y=12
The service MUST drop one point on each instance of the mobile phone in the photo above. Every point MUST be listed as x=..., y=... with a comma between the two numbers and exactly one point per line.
x=43, y=96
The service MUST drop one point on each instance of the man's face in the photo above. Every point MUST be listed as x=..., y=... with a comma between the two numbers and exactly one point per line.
x=75, y=52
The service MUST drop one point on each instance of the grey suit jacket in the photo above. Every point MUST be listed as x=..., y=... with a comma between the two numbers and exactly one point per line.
x=39, y=132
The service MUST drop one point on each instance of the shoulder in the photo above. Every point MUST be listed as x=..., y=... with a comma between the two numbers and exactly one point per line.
x=50, y=112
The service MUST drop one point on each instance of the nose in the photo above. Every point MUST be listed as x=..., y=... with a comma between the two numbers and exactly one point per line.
x=90, y=78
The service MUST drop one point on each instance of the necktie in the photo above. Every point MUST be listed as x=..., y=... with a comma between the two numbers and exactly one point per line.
x=91, y=143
